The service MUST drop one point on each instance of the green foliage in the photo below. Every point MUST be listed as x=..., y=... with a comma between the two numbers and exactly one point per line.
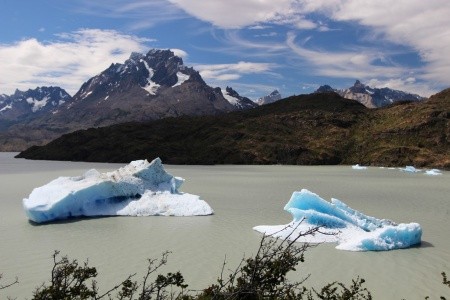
x=338, y=291
x=70, y=280
x=262, y=276
x=314, y=129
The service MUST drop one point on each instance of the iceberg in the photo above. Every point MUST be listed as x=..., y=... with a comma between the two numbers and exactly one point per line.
x=433, y=172
x=358, y=167
x=137, y=189
x=410, y=169
x=338, y=223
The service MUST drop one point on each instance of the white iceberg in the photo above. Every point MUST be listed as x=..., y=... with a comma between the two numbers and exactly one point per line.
x=138, y=189
x=358, y=167
x=349, y=228
x=410, y=169
x=433, y=172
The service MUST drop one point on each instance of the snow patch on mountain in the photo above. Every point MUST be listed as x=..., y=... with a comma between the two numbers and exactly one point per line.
x=151, y=87
x=9, y=106
x=181, y=78
x=272, y=97
x=229, y=98
x=37, y=104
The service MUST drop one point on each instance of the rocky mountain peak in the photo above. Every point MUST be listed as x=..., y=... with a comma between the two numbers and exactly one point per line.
x=237, y=100
x=371, y=97
x=39, y=100
x=325, y=89
x=272, y=97
x=158, y=69
x=231, y=92
x=358, y=87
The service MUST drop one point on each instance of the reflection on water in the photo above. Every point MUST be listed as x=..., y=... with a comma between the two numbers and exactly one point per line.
x=242, y=197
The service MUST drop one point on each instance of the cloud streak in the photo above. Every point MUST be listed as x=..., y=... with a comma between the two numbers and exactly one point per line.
x=351, y=64
x=66, y=62
x=422, y=26
x=141, y=14
x=228, y=72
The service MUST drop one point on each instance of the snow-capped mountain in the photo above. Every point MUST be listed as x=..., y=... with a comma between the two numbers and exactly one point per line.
x=272, y=97
x=32, y=102
x=147, y=87
x=158, y=69
x=237, y=100
x=371, y=97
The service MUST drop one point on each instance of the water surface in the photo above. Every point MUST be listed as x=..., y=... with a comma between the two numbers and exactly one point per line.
x=242, y=197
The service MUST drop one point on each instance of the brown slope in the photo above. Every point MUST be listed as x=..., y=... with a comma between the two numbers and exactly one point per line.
x=415, y=133
x=307, y=129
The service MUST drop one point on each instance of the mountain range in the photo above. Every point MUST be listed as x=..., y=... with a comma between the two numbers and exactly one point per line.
x=24, y=105
x=145, y=87
x=319, y=128
x=371, y=97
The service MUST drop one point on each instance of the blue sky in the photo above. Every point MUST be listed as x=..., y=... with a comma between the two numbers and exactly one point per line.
x=255, y=46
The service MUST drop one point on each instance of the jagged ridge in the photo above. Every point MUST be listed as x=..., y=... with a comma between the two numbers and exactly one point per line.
x=371, y=97
x=145, y=87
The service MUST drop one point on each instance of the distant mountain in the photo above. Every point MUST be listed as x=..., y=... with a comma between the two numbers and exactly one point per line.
x=321, y=128
x=238, y=101
x=41, y=100
x=145, y=87
x=272, y=97
x=371, y=97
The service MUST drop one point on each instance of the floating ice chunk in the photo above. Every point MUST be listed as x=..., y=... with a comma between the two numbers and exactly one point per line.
x=410, y=169
x=339, y=223
x=138, y=189
x=433, y=172
x=358, y=167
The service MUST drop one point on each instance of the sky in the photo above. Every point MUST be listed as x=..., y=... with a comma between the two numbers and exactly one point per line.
x=254, y=46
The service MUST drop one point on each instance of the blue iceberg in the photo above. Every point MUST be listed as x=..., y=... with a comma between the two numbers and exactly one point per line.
x=349, y=228
x=138, y=189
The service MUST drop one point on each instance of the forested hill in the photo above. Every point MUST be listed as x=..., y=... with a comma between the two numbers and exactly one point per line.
x=310, y=129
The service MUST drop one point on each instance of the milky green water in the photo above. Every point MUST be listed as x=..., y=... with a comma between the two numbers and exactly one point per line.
x=242, y=197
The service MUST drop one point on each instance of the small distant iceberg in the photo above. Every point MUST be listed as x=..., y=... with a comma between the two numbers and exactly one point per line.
x=349, y=228
x=410, y=169
x=433, y=172
x=138, y=189
x=358, y=167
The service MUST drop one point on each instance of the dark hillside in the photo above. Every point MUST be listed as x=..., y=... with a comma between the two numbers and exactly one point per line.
x=307, y=129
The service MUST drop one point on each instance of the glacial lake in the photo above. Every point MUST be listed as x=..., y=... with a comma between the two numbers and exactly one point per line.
x=242, y=197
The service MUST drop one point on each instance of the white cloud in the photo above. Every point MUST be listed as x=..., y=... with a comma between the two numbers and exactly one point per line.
x=351, y=64
x=409, y=84
x=422, y=25
x=66, y=62
x=180, y=53
x=259, y=27
x=226, y=72
x=236, y=13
